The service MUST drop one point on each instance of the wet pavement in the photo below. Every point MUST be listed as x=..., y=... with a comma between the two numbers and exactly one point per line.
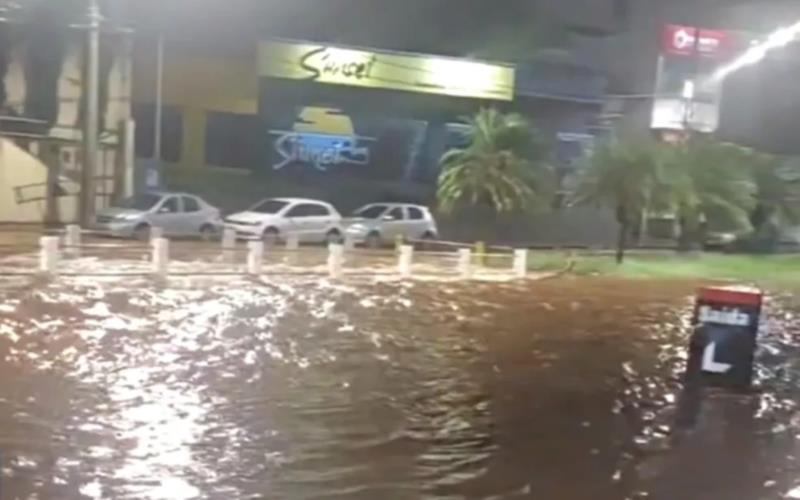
x=297, y=388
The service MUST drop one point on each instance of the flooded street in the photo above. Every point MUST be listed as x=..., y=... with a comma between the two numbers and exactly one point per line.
x=300, y=389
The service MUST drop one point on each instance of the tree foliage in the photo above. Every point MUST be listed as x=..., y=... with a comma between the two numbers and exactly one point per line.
x=502, y=166
x=626, y=177
x=702, y=182
x=709, y=181
x=778, y=183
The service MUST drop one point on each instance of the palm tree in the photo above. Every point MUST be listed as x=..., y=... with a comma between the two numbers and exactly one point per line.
x=501, y=167
x=778, y=184
x=625, y=177
x=709, y=182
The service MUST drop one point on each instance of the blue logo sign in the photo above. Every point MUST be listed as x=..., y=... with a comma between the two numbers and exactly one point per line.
x=322, y=138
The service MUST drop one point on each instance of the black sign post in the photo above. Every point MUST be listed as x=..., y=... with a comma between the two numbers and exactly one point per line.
x=724, y=340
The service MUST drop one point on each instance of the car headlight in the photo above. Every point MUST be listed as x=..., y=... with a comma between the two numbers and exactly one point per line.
x=128, y=217
x=357, y=229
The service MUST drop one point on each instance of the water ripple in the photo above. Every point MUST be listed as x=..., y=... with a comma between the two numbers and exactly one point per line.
x=302, y=389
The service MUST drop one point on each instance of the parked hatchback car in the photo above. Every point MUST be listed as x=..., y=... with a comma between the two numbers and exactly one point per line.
x=274, y=218
x=381, y=223
x=178, y=214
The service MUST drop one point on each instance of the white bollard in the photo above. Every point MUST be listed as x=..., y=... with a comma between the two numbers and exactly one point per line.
x=292, y=242
x=335, y=261
x=72, y=240
x=161, y=257
x=229, y=245
x=521, y=263
x=292, y=248
x=228, y=239
x=48, y=257
x=405, y=261
x=349, y=243
x=465, y=263
x=255, y=257
x=156, y=233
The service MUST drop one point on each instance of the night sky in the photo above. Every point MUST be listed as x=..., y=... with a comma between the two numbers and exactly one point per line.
x=443, y=26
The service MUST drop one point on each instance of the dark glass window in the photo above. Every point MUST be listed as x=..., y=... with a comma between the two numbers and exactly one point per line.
x=372, y=212
x=171, y=132
x=190, y=204
x=269, y=207
x=141, y=202
x=234, y=140
x=415, y=213
x=308, y=210
x=170, y=206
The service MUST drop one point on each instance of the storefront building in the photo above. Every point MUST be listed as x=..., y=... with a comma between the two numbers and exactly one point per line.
x=349, y=125
x=365, y=114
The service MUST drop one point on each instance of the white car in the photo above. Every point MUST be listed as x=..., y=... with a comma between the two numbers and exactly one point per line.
x=274, y=218
x=177, y=214
x=381, y=223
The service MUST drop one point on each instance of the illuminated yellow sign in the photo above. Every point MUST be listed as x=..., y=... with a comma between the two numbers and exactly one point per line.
x=383, y=70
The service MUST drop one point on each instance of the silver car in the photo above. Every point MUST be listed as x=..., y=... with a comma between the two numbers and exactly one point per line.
x=178, y=214
x=381, y=223
x=273, y=219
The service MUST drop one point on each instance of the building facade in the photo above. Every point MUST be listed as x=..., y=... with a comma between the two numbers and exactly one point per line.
x=42, y=98
x=348, y=124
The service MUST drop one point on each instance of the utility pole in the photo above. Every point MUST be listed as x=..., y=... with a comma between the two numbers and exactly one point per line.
x=91, y=132
x=159, y=111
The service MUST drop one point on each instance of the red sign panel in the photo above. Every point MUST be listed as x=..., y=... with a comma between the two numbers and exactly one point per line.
x=682, y=41
x=731, y=296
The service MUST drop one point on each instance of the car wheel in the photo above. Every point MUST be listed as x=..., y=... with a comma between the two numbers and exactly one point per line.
x=208, y=232
x=142, y=232
x=334, y=237
x=373, y=240
x=271, y=236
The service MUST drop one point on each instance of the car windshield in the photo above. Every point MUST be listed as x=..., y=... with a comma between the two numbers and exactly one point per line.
x=372, y=212
x=269, y=207
x=140, y=202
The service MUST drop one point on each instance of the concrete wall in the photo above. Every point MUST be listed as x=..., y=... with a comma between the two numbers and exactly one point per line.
x=23, y=187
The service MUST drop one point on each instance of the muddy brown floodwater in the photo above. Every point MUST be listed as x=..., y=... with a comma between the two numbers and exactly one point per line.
x=566, y=389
